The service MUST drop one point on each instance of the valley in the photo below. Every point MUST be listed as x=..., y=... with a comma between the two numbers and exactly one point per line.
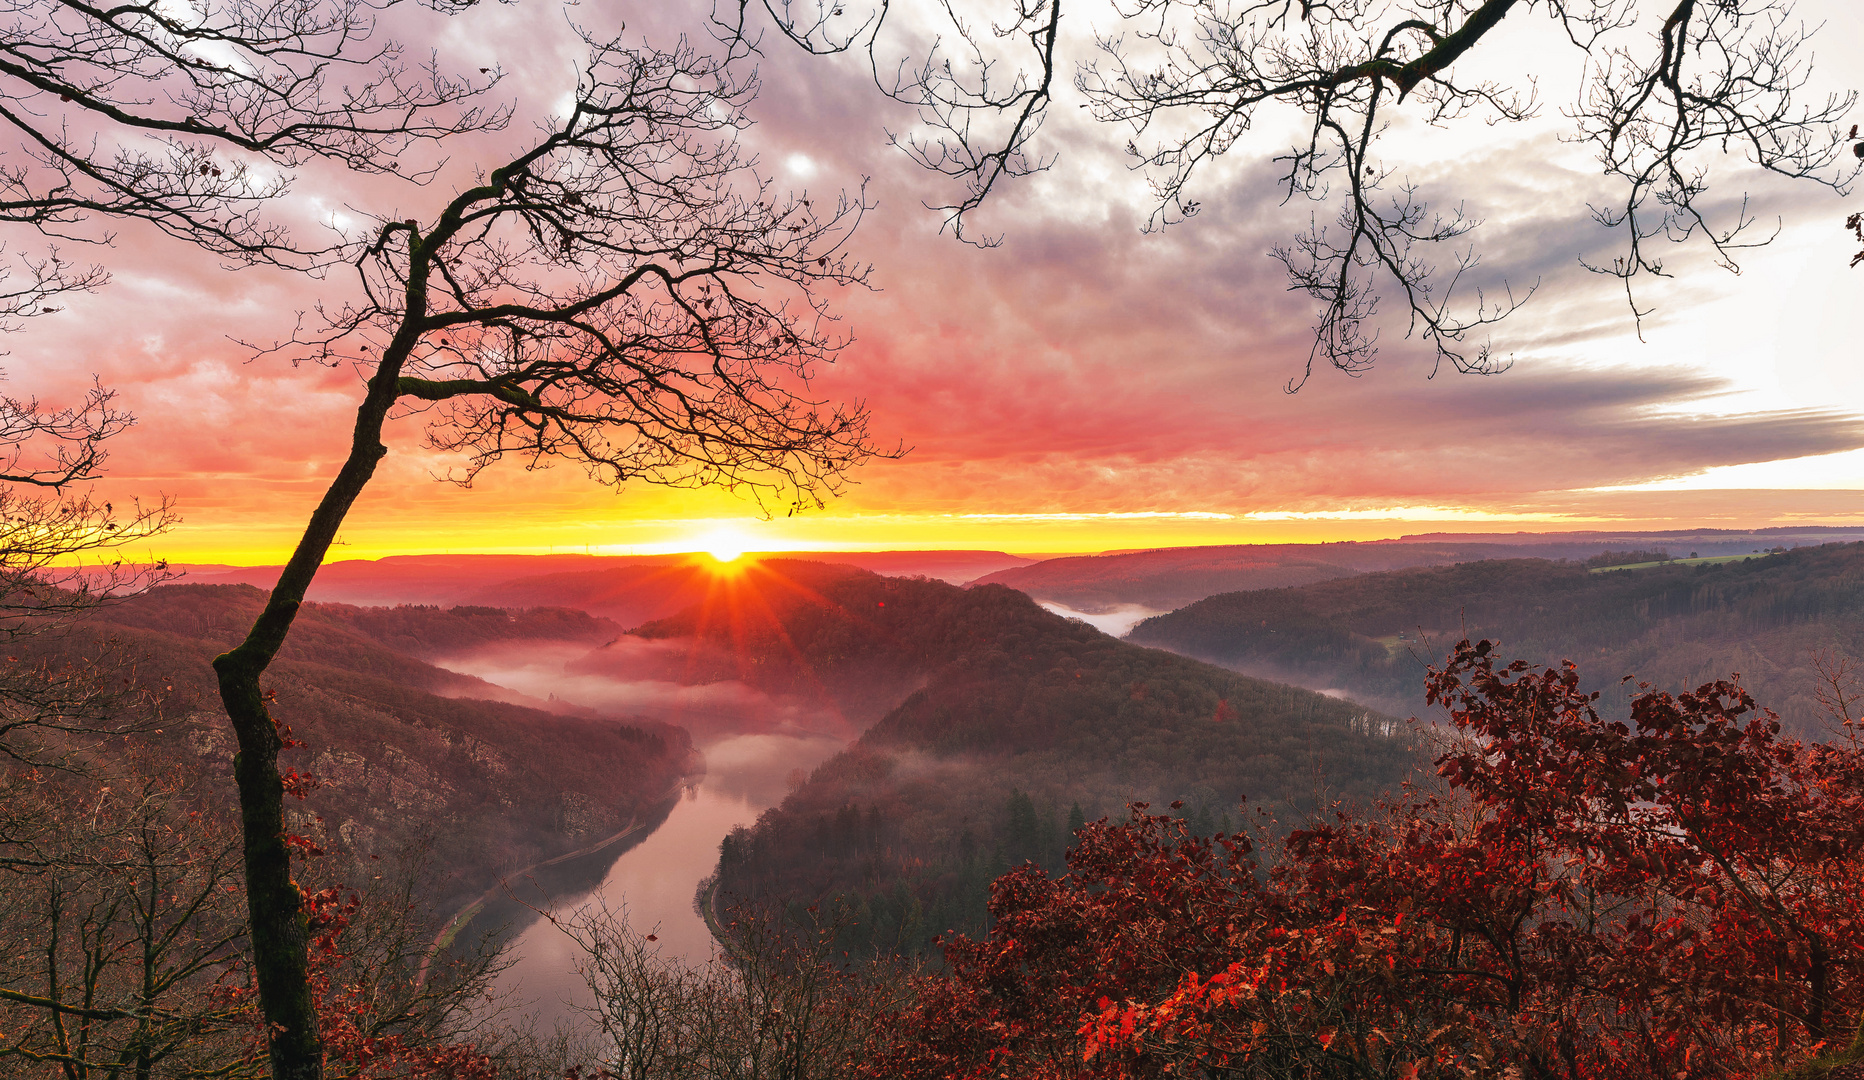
x=871, y=751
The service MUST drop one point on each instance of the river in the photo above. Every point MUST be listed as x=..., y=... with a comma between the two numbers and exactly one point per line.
x=654, y=881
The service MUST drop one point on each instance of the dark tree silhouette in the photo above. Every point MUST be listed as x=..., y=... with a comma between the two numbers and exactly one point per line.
x=626, y=293
x=1662, y=97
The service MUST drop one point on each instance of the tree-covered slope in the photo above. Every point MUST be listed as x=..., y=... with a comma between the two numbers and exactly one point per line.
x=1676, y=625
x=1169, y=578
x=487, y=786
x=1022, y=719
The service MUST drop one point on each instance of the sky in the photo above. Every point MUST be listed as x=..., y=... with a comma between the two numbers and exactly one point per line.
x=1085, y=385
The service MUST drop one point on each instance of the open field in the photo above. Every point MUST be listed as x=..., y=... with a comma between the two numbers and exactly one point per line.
x=1684, y=562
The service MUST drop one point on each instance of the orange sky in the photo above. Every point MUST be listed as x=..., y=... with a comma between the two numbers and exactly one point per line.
x=1084, y=387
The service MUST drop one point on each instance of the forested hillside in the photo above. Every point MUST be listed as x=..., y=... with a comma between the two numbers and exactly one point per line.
x=1675, y=626
x=1173, y=577
x=1024, y=724
x=485, y=785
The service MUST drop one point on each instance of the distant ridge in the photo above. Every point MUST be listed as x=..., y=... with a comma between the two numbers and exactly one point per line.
x=1164, y=579
x=636, y=588
x=1786, y=534
x=628, y=588
x=1772, y=618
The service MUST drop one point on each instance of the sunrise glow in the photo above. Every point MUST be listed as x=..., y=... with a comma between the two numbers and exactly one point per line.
x=670, y=488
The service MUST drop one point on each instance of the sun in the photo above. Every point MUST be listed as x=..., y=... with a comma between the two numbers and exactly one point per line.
x=725, y=545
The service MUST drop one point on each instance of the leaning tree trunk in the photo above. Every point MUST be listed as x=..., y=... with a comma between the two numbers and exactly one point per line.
x=280, y=934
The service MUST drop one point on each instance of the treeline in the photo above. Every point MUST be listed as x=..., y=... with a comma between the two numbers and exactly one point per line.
x=1177, y=576
x=1612, y=557
x=1027, y=724
x=424, y=631
x=1768, y=617
x=430, y=632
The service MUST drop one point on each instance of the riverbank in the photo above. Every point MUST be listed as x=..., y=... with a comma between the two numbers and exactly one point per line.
x=502, y=897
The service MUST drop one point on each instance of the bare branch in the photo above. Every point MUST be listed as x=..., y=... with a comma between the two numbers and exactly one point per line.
x=979, y=123
x=193, y=117
x=55, y=448
x=626, y=293
x=1190, y=78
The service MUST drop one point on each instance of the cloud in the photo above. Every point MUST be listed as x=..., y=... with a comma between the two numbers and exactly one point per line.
x=1081, y=368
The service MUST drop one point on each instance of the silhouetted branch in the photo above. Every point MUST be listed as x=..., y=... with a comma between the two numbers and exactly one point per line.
x=1191, y=79
x=194, y=117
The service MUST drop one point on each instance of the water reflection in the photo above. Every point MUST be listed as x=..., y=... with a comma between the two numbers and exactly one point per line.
x=655, y=880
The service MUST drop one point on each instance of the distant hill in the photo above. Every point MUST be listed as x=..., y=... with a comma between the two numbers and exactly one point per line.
x=1173, y=577
x=1020, y=717
x=1170, y=578
x=955, y=567
x=410, y=579
x=1675, y=625
x=410, y=751
x=628, y=588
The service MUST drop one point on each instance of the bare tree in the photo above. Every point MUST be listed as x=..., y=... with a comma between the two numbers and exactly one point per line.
x=626, y=293
x=1661, y=99
x=195, y=119
x=120, y=935
x=779, y=1006
x=1838, y=696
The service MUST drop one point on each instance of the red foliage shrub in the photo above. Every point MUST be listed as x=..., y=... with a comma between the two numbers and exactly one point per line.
x=1673, y=897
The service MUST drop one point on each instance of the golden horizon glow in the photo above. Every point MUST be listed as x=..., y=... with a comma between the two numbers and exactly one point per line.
x=487, y=529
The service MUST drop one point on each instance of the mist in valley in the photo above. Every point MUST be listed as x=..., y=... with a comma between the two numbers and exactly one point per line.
x=636, y=678
x=1114, y=621
x=756, y=747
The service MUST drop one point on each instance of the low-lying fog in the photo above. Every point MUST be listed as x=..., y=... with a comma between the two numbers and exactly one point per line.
x=1115, y=621
x=640, y=678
